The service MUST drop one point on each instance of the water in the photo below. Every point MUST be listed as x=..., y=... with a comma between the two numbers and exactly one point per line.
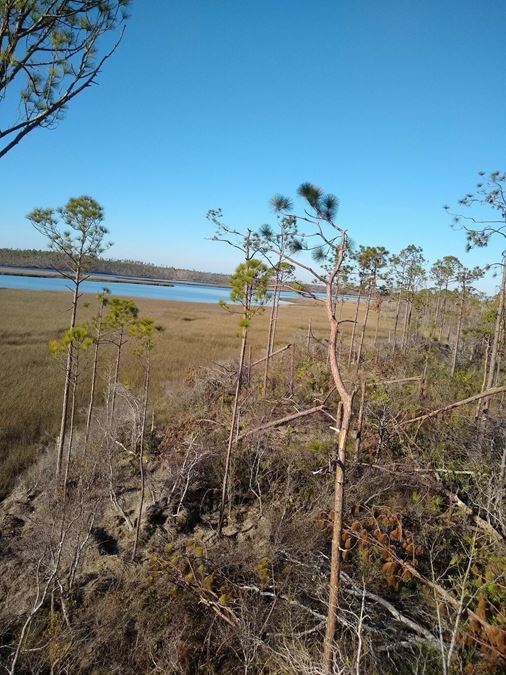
x=179, y=292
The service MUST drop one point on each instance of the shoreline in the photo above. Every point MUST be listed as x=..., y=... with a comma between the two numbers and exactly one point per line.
x=100, y=277
x=92, y=276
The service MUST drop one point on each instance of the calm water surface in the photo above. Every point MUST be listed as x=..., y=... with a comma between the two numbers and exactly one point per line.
x=178, y=292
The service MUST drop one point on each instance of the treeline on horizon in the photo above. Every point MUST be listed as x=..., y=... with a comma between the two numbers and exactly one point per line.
x=38, y=259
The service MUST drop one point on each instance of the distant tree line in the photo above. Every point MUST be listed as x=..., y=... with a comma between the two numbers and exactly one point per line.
x=52, y=259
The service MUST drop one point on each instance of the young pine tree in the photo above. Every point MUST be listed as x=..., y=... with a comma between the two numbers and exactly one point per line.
x=249, y=292
x=372, y=259
x=78, y=339
x=120, y=316
x=487, y=220
x=443, y=272
x=328, y=243
x=103, y=299
x=282, y=273
x=464, y=277
x=143, y=330
x=76, y=232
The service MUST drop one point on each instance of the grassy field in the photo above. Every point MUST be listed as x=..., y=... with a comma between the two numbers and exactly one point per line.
x=194, y=335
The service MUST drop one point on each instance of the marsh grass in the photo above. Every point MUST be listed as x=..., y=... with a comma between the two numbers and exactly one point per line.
x=193, y=335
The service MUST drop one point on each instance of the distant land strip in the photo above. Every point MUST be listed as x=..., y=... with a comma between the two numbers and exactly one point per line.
x=53, y=274
x=35, y=262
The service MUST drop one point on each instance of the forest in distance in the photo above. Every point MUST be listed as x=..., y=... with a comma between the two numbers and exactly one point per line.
x=214, y=484
x=40, y=259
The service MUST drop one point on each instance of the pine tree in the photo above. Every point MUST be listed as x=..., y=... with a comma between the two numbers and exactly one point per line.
x=76, y=232
x=249, y=290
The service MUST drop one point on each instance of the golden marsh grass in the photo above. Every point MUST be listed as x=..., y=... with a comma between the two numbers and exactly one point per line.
x=194, y=334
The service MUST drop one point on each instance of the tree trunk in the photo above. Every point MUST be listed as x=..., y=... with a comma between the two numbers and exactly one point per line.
x=485, y=371
x=232, y=430
x=292, y=370
x=364, y=326
x=116, y=374
x=141, y=451
x=360, y=421
x=458, y=332
x=270, y=337
x=497, y=373
x=443, y=310
x=337, y=527
x=341, y=307
x=407, y=321
x=72, y=420
x=249, y=364
x=436, y=313
x=396, y=323
x=68, y=376
x=341, y=437
x=424, y=324
x=451, y=406
x=93, y=377
x=494, y=351
x=376, y=330
x=276, y=314
x=354, y=329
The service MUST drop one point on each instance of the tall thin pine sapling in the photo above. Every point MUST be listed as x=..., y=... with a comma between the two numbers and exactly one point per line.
x=318, y=223
x=76, y=231
x=120, y=316
x=103, y=299
x=249, y=290
x=464, y=277
x=371, y=259
x=143, y=330
x=480, y=227
x=79, y=339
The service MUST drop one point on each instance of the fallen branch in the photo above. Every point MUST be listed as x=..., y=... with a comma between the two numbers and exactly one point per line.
x=352, y=589
x=415, y=627
x=439, y=590
x=290, y=601
x=121, y=511
x=278, y=351
x=281, y=421
x=478, y=520
x=451, y=406
x=401, y=380
x=420, y=630
x=395, y=467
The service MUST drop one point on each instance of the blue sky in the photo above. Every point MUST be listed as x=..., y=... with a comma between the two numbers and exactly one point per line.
x=394, y=106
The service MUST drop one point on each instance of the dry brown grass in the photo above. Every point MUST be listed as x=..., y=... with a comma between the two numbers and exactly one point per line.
x=194, y=335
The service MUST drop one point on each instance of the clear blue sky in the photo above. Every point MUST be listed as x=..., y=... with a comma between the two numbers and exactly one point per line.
x=394, y=106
